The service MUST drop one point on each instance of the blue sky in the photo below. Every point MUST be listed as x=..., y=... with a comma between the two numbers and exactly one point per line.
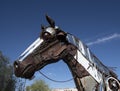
x=97, y=23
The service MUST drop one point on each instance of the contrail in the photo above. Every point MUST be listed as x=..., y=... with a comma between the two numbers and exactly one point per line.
x=104, y=39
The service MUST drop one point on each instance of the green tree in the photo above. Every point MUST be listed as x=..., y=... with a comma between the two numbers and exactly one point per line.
x=7, y=81
x=38, y=86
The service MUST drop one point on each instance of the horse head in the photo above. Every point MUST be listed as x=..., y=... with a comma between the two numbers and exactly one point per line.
x=48, y=48
x=54, y=44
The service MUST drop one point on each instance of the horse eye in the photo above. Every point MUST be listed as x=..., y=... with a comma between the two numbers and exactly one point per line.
x=47, y=35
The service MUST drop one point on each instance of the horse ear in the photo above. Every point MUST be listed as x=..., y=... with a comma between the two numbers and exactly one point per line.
x=50, y=21
x=42, y=27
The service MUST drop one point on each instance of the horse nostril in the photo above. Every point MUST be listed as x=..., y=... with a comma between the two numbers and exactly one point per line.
x=16, y=64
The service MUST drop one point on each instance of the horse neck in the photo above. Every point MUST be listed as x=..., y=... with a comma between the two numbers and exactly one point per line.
x=78, y=71
x=75, y=70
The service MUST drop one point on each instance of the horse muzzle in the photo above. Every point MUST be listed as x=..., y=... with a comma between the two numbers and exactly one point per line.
x=24, y=70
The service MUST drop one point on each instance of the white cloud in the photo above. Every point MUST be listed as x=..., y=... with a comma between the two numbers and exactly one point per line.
x=104, y=39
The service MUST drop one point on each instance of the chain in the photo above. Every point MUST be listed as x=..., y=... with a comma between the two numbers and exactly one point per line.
x=58, y=81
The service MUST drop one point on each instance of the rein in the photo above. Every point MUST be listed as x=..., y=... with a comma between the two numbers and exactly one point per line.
x=58, y=81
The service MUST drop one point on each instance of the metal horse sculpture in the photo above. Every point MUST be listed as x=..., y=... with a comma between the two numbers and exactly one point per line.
x=54, y=44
